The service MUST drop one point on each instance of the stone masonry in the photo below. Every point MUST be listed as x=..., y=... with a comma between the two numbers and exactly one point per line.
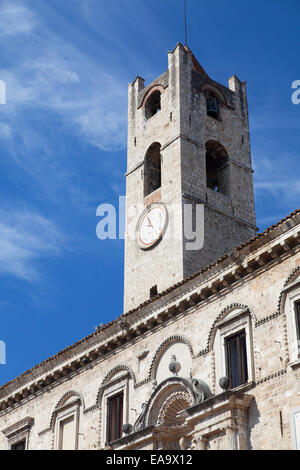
x=167, y=355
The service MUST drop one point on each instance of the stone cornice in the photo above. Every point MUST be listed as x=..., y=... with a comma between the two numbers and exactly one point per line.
x=247, y=261
x=22, y=425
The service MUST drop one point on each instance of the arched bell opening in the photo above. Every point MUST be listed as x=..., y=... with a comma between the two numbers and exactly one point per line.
x=152, y=169
x=217, y=168
x=153, y=104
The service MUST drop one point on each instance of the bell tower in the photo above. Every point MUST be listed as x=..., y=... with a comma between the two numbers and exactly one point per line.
x=188, y=145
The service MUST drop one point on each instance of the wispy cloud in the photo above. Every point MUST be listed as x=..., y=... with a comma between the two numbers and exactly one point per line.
x=25, y=238
x=59, y=98
x=15, y=18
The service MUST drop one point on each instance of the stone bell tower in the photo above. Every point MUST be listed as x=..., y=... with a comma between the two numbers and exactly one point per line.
x=188, y=144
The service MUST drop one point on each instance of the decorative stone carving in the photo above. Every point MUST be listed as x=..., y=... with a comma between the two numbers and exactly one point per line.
x=176, y=402
x=224, y=383
x=200, y=390
x=174, y=366
x=140, y=424
x=127, y=428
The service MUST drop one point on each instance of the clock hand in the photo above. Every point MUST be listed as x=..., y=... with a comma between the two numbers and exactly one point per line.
x=149, y=222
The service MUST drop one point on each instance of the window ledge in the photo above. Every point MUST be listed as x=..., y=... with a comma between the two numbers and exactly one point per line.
x=295, y=363
x=215, y=119
x=244, y=387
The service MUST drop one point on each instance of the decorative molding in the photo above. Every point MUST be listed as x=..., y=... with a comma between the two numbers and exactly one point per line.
x=271, y=376
x=173, y=404
x=293, y=275
x=18, y=427
x=154, y=87
x=62, y=401
x=197, y=390
x=109, y=376
x=161, y=349
x=232, y=273
x=230, y=308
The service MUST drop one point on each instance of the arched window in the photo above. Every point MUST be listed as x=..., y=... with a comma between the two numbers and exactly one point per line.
x=153, y=104
x=67, y=423
x=217, y=174
x=152, y=169
x=291, y=308
x=212, y=103
x=232, y=343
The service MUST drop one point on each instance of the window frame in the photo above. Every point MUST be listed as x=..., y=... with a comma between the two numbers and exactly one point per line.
x=292, y=298
x=234, y=322
x=242, y=362
x=115, y=386
x=71, y=409
x=295, y=415
x=297, y=320
x=15, y=444
x=19, y=432
x=119, y=415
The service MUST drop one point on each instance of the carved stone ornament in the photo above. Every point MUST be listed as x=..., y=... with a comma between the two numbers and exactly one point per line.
x=174, y=365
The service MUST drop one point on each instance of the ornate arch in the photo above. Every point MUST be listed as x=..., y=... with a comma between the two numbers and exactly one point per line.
x=291, y=278
x=176, y=402
x=147, y=95
x=62, y=401
x=171, y=390
x=110, y=375
x=162, y=348
x=230, y=308
x=160, y=396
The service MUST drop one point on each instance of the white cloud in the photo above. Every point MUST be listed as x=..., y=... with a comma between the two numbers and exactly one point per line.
x=90, y=101
x=5, y=130
x=15, y=18
x=284, y=185
x=25, y=238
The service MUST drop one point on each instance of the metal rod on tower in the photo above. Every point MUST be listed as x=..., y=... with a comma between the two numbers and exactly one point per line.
x=185, y=21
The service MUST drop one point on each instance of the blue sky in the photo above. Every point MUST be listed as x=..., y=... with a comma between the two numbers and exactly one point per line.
x=66, y=66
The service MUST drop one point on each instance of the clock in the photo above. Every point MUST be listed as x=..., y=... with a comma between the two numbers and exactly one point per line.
x=151, y=226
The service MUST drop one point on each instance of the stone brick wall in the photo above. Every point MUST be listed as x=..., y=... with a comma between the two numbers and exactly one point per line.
x=182, y=127
x=274, y=385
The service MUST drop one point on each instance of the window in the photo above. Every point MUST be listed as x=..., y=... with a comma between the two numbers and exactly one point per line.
x=67, y=434
x=217, y=169
x=152, y=169
x=291, y=309
x=114, y=417
x=236, y=354
x=212, y=106
x=114, y=396
x=295, y=428
x=297, y=312
x=153, y=105
x=18, y=434
x=19, y=445
x=67, y=417
x=232, y=343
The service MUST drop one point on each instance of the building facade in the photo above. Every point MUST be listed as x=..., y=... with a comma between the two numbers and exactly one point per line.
x=207, y=352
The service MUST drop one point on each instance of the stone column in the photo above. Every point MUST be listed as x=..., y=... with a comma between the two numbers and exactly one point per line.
x=202, y=443
x=231, y=437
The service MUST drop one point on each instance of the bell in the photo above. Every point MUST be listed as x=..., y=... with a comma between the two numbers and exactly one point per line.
x=212, y=107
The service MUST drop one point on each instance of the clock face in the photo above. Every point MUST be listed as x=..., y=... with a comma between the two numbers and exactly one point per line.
x=151, y=226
